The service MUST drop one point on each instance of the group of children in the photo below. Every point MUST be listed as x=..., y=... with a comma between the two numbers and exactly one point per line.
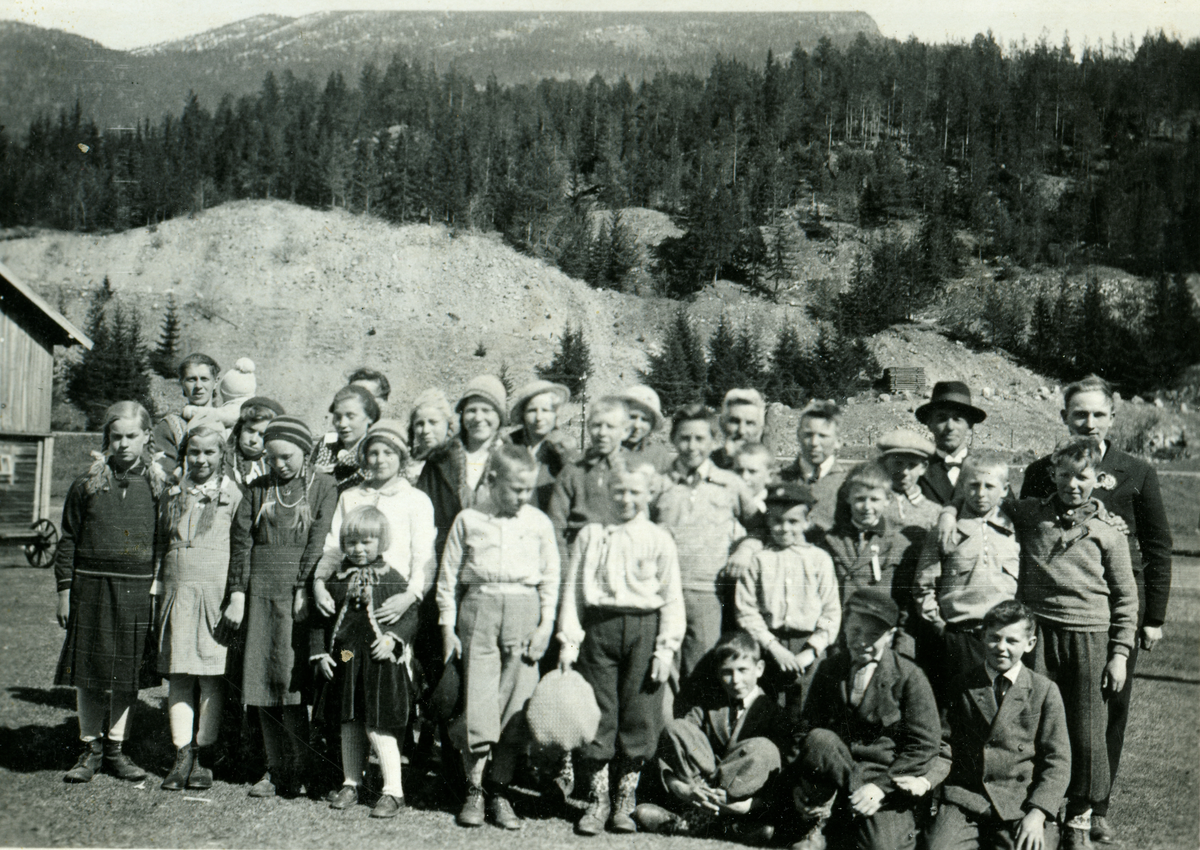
x=789, y=655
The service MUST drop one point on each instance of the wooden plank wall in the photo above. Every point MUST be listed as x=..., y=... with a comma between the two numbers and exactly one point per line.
x=26, y=377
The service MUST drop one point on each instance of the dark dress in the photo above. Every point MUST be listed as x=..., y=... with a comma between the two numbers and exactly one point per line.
x=377, y=693
x=106, y=559
x=269, y=561
x=329, y=457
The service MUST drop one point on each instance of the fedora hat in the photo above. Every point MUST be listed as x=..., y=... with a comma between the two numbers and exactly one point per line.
x=952, y=394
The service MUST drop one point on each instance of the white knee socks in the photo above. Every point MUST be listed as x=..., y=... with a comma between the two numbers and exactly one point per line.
x=91, y=705
x=210, y=711
x=387, y=748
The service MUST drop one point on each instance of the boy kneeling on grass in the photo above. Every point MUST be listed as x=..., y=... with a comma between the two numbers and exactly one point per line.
x=1004, y=735
x=872, y=736
x=622, y=621
x=720, y=761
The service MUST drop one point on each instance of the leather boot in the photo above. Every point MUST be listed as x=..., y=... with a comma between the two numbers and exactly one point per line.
x=625, y=798
x=177, y=779
x=598, y=808
x=201, y=778
x=88, y=763
x=119, y=764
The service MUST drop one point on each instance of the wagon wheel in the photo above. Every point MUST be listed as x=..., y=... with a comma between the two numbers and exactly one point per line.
x=40, y=553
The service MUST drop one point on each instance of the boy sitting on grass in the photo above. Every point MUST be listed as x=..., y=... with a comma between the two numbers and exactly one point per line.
x=871, y=736
x=954, y=590
x=1004, y=735
x=719, y=761
x=787, y=599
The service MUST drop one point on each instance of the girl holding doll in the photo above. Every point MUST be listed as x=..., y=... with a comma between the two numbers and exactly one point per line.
x=103, y=570
x=278, y=531
x=195, y=520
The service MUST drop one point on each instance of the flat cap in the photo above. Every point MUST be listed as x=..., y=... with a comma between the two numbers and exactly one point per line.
x=905, y=442
x=789, y=493
x=875, y=603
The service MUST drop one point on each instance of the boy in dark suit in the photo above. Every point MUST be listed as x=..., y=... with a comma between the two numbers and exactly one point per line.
x=720, y=760
x=1004, y=736
x=1128, y=487
x=872, y=736
x=950, y=418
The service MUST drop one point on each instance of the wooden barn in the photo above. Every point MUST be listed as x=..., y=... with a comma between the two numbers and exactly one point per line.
x=29, y=330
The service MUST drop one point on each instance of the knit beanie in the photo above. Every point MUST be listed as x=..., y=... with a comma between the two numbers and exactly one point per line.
x=490, y=389
x=238, y=382
x=390, y=431
x=562, y=712
x=290, y=428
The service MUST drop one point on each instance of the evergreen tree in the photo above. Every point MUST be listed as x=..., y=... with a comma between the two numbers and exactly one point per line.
x=572, y=362
x=787, y=381
x=1090, y=337
x=723, y=368
x=838, y=365
x=116, y=368
x=166, y=352
x=678, y=371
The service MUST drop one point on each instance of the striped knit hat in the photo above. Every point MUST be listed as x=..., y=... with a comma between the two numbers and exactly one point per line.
x=290, y=428
x=390, y=431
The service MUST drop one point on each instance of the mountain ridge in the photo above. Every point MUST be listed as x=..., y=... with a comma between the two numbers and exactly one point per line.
x=44, y=71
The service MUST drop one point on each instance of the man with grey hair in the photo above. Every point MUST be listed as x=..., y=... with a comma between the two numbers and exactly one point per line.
x=743, y=415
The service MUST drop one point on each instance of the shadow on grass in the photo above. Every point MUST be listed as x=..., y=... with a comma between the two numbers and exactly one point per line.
x=1157, y=677
x=30, y=749
x=63, y=698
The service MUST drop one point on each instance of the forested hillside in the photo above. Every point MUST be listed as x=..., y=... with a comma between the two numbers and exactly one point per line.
x=1033, y=156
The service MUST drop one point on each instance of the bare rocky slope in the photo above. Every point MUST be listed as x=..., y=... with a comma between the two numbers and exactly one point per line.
x=311, y=294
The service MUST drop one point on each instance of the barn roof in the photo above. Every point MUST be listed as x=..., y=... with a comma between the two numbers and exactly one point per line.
x=61, y=329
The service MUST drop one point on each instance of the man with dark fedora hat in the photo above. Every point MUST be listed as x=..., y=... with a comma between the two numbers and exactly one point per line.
x=950, y=417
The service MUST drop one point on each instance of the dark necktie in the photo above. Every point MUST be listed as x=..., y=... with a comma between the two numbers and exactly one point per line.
x=1000, y=687
x=735, y=711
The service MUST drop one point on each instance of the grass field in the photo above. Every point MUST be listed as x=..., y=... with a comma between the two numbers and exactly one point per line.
x=1157, y=803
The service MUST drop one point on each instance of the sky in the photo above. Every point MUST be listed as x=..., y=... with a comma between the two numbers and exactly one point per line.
x=123, y=24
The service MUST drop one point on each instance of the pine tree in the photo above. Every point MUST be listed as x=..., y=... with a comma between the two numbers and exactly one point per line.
x=838, y=365
x=572, y=362
x=787, y=380
x=678, y=372
x=1090, y=338
x=166, y=352
x=116, y=367
x=723, y=370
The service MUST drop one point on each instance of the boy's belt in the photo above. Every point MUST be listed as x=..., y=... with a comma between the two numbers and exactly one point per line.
x=501, y=588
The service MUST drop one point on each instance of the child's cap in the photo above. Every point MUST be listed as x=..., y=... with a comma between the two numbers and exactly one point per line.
x=876, y=604
x=536, y=388
x=489, y=388
x=238, y=381
x=289, y=428
x=905, y=442
x=790, y=494
x=390, y=431
x=263, y=401
x=645, y=400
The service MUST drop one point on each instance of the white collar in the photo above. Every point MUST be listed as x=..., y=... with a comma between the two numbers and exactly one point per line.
x=958, y=457
x=1011, y=673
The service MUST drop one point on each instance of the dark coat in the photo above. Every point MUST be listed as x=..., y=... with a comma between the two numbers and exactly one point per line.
x=555, y=452
x=1010, y=760
x=894, y=731
x=1137, y=499
x=444, y=480
x=935, y=483
x=764, y=719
